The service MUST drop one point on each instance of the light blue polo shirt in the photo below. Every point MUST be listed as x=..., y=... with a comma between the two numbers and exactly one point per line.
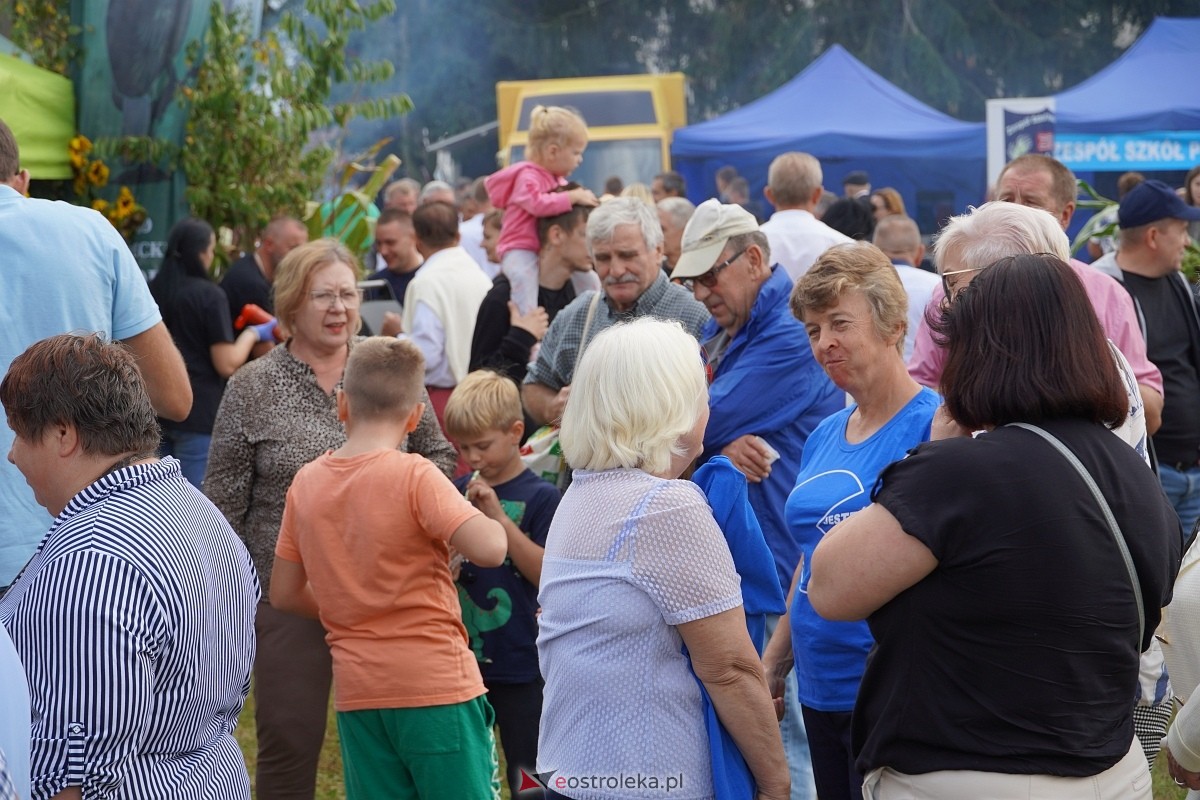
x=63, y=269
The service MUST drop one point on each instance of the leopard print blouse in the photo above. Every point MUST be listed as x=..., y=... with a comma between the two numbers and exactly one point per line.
x=274, y=419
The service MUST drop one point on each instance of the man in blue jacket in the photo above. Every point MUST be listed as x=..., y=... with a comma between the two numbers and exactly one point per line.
x=766, y=391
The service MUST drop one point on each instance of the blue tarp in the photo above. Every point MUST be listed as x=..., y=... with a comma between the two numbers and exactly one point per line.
x=1151, y=87
x=850, y=118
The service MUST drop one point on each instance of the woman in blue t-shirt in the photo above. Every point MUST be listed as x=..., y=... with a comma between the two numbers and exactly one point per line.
x=855, y=310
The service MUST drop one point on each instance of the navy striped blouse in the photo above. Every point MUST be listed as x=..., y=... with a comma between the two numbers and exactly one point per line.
x=135, y=622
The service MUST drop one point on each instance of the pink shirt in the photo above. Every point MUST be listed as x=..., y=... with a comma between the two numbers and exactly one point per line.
x=1113, y=307
x=525, y=191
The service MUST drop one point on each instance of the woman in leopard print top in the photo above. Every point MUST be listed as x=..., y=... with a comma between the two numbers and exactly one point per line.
x=278, y=414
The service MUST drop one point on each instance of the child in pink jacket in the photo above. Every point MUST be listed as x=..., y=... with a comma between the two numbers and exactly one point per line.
x=527, y=191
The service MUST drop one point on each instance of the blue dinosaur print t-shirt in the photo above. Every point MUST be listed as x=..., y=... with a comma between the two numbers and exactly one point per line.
x=499, y=606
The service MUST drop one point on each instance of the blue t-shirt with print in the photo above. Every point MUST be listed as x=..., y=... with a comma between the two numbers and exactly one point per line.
x=499, y=606
x=835, y=480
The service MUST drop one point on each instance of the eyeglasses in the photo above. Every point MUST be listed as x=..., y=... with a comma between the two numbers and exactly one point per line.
x=709, y=279
x=952, y=288
x=351, y=298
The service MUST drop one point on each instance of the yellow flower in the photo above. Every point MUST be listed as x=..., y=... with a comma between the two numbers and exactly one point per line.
x=78, y=160
x=100, y=205
x=97, y=173
x=79, y=183
x=124, y=201
x=80, y=144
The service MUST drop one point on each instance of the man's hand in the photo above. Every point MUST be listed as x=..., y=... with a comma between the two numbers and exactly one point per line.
x=392, y=326
x=535, y=322
x=1181, y=776
x=558, y=404
x=749, y=454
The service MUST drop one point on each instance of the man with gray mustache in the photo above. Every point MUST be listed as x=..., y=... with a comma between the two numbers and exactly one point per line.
x=625, y=241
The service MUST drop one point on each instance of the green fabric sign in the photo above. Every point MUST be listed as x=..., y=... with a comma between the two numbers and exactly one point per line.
x=133, y=67
x=39, y=107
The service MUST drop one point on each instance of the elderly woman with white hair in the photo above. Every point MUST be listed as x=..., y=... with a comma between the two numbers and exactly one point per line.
x=635, y=570
x=984, y=235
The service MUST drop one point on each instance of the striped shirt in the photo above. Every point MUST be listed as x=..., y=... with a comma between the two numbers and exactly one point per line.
x=7, y=790
x=555, y=363
x=135, y=622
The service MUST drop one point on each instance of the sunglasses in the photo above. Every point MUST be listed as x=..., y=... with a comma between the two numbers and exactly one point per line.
x=709, y=279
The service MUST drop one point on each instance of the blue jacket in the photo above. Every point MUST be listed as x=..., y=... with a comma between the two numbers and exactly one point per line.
x=769, y=384
x=725, y=488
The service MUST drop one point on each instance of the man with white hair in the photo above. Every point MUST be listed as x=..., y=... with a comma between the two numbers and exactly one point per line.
x=673, y=213
x=438, y=192
x=402, y=194
x=1040, y=182
x=625, y=241
x=795, y=235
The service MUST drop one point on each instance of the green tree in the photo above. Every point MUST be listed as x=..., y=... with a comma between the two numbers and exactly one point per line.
x=262, y=130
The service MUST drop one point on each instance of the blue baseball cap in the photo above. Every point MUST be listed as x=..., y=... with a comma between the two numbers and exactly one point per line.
x=1151, y=201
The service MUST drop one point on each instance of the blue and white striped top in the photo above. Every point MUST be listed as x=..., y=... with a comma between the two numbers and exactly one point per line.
x=135, y=622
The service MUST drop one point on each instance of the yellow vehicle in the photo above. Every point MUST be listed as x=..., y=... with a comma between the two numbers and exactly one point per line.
x=630, y=121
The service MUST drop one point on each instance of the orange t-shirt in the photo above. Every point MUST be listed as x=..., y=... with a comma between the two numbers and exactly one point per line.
x=371, y=532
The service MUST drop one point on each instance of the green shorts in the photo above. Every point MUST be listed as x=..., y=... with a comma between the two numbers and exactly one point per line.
x=436, y=751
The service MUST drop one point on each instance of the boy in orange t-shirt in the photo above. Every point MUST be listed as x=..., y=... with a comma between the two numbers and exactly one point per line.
x=364, y=547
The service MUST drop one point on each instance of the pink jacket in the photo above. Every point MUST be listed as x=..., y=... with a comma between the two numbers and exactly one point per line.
x=525, y=192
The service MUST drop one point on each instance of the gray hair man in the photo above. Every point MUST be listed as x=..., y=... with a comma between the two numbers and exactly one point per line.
x=625, y=241
x=900, y=240
x=673, y=214
x=797, y=237
x=1041, y=182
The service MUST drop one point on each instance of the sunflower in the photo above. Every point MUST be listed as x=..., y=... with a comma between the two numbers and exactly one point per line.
x=124, y=202
x=97, y=173
x=80, y=144
x=100, y=204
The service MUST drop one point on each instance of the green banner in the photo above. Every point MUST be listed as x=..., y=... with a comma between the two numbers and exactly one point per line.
x=132, y=68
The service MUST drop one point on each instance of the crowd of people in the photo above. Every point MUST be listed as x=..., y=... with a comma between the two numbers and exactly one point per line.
x=809, y=515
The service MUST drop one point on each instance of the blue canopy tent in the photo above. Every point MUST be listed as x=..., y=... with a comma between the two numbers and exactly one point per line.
x=1151, y=87
x=850, y=118
x=1141, y=112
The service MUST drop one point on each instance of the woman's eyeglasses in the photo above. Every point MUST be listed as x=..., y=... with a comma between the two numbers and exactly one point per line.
x=351, y=298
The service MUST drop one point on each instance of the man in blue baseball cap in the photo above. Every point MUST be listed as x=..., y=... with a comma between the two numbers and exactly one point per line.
x=1153, y=238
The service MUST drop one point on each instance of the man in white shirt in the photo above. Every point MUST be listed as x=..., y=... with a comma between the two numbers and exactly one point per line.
x=443, y=299
x=900, y=240
x=471, y=227
x=796, y=237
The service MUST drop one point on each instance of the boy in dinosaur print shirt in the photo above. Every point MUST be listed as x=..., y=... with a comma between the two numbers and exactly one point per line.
x=484, y=418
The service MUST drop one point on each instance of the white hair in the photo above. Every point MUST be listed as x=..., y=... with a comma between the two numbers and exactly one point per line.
x=605, y=218
x=637, y=389
x=998, y=230
x=678, y=209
